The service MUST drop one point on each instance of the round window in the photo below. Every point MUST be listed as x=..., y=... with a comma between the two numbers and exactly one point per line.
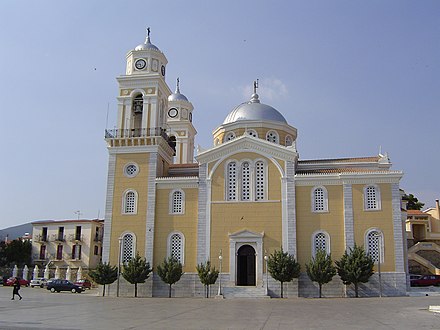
x=131, y=170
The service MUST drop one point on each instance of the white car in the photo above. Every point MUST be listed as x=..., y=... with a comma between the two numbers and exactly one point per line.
x=41, y=282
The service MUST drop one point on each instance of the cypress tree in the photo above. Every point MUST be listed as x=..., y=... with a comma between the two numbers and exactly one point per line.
x=207, y=275
x=137, y=270
x=170, y=271
x=283, y=267
x=320, y=269
x=104, y=274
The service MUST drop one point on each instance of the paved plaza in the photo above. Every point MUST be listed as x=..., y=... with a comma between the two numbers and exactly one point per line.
x=41, y=309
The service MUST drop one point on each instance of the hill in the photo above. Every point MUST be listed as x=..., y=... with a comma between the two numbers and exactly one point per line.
x=15, y=231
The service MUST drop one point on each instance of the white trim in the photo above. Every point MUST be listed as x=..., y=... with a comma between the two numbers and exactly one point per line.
x=109, y=208
x=381, y=242
x=171, y=201
x=327, y=242
x=325, y=199
x=377, y=197
x=182, y=247
x=131, y=175
x=124, y=202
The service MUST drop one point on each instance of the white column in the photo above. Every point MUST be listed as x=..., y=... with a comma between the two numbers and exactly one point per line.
x=399, y=252
x=151, y=208
x=202, y=254
x=109, y=207
x=348, y=216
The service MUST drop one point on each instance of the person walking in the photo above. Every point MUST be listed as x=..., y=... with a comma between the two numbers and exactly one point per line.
x=16, y=289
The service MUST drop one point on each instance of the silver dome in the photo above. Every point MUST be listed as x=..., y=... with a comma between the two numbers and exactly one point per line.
x=147, y=45
x=254, y=110
x=176, y=96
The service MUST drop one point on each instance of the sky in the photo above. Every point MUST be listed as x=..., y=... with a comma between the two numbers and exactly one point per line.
x=354, y=77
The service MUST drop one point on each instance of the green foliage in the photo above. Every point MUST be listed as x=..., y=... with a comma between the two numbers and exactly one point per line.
x=412, y=202
x=104, y=274
x=207, y=275
x=355, y=267
x=16, y=252
x=170, y=271
x=137, y=270
x=320, y=269
x=283, y=267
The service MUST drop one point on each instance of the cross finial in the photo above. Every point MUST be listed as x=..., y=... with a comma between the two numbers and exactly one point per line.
x=178, y=86
x=148, y=32
x=255, y=86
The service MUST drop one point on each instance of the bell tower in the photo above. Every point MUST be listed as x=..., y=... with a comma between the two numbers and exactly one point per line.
x=182, y=131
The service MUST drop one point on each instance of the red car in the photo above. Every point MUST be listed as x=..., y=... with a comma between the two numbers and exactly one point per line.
x=10, y=281
x=84, y=283
x=426, y=280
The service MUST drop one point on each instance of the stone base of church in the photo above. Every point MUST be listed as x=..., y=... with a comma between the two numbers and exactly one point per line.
x=393, y=284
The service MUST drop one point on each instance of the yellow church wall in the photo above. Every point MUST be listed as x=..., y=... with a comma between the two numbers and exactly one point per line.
x=185, y=223
x=228, y=218
x=381, y=219
x=308, y=222
x=134, y=223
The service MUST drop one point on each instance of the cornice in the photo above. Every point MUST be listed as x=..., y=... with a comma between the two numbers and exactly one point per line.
x=247, y=144
x=177, y=182
x=347, y=178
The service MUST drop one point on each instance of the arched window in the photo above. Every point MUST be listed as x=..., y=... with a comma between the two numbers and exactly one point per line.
x=230, y=136
x=320, y=241
x=272, y=136
x=231, y=181
x=260, y=181
x=137, y=107
x=176, y=243
x=177, y=202
x=375, y=245
x=319, y=199
x=289, y=141
x=372, y=198
x=127, y=252
x=130, y=202
x=252, y=133
x=245, y=181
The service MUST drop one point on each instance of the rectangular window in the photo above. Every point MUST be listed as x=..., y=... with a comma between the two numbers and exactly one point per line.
x=76, y=252
x=44, y=234
x=96, y=250
x=59, y=252
x=73, y=251
x=78, y=233
x=60, y=233
x=42, y=252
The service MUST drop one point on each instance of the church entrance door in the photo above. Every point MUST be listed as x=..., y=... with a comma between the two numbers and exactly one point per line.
x=246, y=266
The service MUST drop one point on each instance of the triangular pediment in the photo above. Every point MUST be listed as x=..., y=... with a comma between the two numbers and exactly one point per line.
x=246, y=234
x=246, y=143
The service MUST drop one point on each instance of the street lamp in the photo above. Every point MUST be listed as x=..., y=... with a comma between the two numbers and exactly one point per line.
x=267, y=273
x=220, y=257
x=119, y=266
x=379, y=250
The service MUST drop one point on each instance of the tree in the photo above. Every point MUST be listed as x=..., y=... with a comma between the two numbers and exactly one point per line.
x=15, y=252
x=412, y=202
x=355, y=267
x=137, y=270
x=207, y=275
x=320, y=269
x=283, y=267
x=170, y=271
x=104, y=274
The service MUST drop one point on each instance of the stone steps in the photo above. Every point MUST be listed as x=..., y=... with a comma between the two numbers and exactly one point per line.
x=244, y=292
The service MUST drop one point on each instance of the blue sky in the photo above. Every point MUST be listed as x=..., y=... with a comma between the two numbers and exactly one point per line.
x=351, y=76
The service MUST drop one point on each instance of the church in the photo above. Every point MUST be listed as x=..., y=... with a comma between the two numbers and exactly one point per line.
x=240, y=200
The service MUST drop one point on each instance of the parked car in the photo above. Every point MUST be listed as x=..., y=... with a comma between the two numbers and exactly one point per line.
x=84, y=283
x=425, y=280
x=63, y=285
x=41, y=282
x=10, y=281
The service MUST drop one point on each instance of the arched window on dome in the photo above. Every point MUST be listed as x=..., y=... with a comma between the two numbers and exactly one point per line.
x=230, y=136
x=128, y=247
x=272, y=136
x=231, y=181
x=288, y=141
x=374, y=243
x=129, y=202
x=319, y=199
x=320, y=241
x=252, y=132
x=245, y=181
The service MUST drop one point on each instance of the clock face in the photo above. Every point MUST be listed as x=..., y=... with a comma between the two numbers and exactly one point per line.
x=172, y=112
x=162, y=70
x=140, y=64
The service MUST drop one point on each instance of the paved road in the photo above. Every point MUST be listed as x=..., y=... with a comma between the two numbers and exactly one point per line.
x=41, y=309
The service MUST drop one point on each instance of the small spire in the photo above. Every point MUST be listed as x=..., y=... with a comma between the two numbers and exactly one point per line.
x=254, y=96
x=255, y=86
x=147, y=39
x=178, y=86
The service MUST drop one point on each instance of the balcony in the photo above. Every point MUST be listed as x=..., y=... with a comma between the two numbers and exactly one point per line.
x=139, y=137
x=58, y=238
x=98, y=238
x=40, y=238
x=76, y=238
